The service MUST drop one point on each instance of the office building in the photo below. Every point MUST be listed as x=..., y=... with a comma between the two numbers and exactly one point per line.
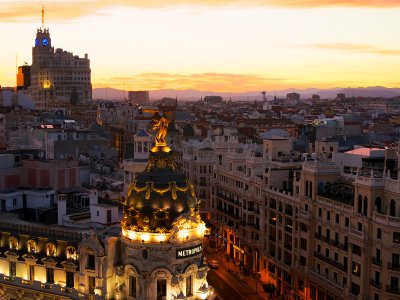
x=58, y=78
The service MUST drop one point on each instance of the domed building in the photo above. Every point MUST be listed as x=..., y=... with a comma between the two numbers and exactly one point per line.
x=162, y=232
x=156, y=253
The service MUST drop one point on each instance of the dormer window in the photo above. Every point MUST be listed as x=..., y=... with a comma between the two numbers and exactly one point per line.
x=13, y=243
x=32, y=246
x=71, y=253
x=50, y=249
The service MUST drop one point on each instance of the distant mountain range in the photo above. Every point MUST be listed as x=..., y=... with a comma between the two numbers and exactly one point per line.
x=377, y=91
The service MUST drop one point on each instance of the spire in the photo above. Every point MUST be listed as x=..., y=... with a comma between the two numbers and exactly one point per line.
x=42, y=16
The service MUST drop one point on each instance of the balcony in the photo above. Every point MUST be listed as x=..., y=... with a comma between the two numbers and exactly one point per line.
x=306, y=215
x=386, y=219
x=377, y=261
x=39, y=287
x=332, y=262
x=333, y=286
x=393, y=289
x=395, y=267
x=376, y=284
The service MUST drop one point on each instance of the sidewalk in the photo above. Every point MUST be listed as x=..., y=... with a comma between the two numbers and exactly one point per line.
x=254, y=287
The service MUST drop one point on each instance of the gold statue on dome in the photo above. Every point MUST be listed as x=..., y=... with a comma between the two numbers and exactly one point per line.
x=161, y=123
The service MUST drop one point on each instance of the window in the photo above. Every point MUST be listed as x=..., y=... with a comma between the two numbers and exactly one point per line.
x=91, y=262
x=392, y=209
x=49, y=275
x=359, y=226
x=69, y=278
x=378, y=255
x=377, y=277
x=14, y=202
x=13, y=268
x=379, y=233
x=161, y=289
x=346, y=222
x=320, y=212
x=355, y=288
x=303, y=244
x=31, y=273
x=356, y=250
x=132, y=286
x=394, y=284
x=108, y=216
x=356, y=269
x=337, y=219
x=97, y=213
x=328, y=215
x=303, y=261
x=395, y=260
x=189, y=291
x=396, y=237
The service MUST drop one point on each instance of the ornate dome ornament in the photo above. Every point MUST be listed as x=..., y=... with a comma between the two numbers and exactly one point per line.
x=160, y=195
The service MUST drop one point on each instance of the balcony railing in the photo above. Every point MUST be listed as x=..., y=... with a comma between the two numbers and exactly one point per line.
x=395, y=267
x=330, y=261
x=393, y=289
x=376, y=261
x=376, y=284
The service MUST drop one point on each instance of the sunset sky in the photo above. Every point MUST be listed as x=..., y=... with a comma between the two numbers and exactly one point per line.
x=218, y=45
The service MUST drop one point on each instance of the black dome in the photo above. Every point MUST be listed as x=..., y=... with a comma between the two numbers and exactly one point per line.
x=158, y=196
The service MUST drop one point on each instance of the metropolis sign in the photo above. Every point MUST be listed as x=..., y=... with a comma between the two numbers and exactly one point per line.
x=190, y=251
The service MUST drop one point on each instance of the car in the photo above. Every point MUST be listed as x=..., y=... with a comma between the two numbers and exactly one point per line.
x=213, y=263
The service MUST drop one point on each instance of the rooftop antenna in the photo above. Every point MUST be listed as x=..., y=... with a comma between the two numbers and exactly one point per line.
x=42, y=16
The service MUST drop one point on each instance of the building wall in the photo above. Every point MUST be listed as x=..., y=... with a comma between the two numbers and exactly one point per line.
x=308, y=243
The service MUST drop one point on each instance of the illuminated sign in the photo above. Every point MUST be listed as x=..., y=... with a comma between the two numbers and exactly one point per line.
x=187, y=252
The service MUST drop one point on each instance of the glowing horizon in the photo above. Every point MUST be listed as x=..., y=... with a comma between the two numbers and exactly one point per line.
x=221, y=46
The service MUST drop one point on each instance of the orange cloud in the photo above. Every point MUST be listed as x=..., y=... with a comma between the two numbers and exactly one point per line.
x=216, y=82
x=59, y=10
x=357, y=48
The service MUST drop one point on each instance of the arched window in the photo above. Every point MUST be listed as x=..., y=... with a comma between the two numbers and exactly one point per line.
x=365, y=206
x=50, y=249
x=359, y=206
x=378, y=204
x=392, y=211
x=31, y=246
x=71, y=253
x=13, y=243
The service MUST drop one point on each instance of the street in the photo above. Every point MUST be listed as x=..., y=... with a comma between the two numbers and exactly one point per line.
x=226, y=285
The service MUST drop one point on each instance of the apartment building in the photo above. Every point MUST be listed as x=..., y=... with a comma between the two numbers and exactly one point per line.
x=312, y=226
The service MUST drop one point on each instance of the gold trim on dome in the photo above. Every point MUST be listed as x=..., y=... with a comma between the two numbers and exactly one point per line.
x=172, y=187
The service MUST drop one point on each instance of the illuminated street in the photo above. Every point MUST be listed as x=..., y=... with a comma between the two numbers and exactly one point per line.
x=226, y=285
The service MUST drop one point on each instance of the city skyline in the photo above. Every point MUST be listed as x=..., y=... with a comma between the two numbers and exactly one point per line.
x=214, y=45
